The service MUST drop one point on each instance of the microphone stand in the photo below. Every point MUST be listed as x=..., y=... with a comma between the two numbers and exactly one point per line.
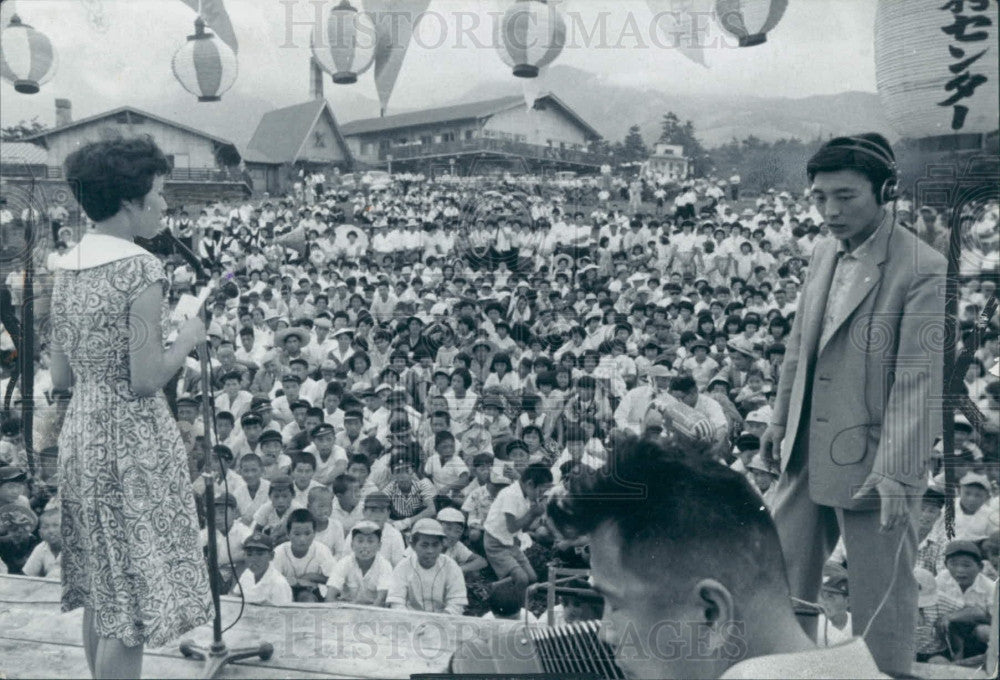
x=217, y=654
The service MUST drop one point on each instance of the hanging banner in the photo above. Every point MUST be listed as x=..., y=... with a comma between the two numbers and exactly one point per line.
x=395, y=22
x=684, y=25
x=214, y=13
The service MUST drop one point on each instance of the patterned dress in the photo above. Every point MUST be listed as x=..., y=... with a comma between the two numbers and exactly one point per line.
x=130, y=529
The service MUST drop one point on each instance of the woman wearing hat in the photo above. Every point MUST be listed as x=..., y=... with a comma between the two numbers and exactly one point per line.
x=133, y=565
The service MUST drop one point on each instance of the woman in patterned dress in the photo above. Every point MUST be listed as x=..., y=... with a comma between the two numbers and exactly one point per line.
x=131, y=556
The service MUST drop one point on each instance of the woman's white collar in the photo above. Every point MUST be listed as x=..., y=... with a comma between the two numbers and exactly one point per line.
x=95, y=250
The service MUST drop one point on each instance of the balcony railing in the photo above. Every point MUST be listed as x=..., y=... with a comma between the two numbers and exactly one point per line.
x=178, y=174
x=489, y=145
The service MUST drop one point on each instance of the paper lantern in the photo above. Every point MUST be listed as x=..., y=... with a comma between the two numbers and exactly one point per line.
x=532, y=34
x=749, y=20
x=27, y=58
x=346, y=46
x=936, y=66
x=205, y=65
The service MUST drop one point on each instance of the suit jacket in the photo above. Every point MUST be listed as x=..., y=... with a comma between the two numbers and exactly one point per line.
x=874, y=413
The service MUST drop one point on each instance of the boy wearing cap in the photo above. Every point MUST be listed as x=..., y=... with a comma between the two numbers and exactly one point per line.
x=362, y=577
x=963, y=580
x=261, y=582
x=973, y=518
x=14, y=486
x=834, y=625
x=428, y=580
x=477, y=504
x=453, y=522
x=331, y=460
x=274, y=461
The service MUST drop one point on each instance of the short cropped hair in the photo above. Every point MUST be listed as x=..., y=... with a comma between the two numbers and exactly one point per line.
x=300, y=516
x=102, y=175
x=678, y=517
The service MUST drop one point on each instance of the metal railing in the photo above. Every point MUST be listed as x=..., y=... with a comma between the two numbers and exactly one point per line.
x=179, y=174
x=504, y=146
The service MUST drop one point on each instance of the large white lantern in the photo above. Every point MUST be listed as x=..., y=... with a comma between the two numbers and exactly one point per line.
x=749, y=20
x=27, y=58
x=205, y=65
x=532, y=35
x=346, y=46
x=936, y=66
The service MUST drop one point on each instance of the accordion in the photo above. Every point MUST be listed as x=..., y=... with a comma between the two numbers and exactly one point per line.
x=571, y=650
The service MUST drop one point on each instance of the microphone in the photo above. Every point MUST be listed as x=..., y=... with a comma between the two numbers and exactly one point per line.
x=166, y=244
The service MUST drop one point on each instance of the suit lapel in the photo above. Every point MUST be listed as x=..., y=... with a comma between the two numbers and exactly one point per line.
x=812, y=325
x=869, y=272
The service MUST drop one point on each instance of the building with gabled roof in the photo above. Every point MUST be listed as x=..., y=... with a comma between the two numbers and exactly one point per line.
x=300, y=137
x=194, y=153
x=494, y=134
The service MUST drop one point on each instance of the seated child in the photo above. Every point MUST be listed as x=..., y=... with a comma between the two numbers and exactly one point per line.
x=270, y=518
x=477, y=505
x=447, y=471
x=230, y=533
x=255, y=494
x=303, y=469
x=304, y=562
x=428, y=581
x=453, y=522
x=45, y=558
x=933, y=609
x=963, y=580
x=261, y=582
x=363, y=576
x=376, y=509
x=329, y=531
x=274, y=462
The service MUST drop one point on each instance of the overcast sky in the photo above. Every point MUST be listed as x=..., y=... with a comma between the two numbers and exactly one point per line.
x=115, y=52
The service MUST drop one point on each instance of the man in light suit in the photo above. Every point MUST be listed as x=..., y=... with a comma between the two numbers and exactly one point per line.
x=856, y=410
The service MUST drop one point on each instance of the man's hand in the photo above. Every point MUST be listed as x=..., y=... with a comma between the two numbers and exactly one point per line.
x=894, y=500
x=770, y=444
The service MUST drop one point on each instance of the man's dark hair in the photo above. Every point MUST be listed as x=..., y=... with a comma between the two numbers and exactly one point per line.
x=102, y=175
x=678, y=518
x=842, y=154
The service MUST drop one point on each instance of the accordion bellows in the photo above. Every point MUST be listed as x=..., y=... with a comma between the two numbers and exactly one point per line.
x=569, y=650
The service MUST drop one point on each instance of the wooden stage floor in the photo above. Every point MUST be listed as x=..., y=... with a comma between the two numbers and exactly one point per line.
x=310, y=641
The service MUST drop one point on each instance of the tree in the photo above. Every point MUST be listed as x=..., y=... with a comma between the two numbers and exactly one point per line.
x=670, y=129
x=24, y=128
x=633, y=147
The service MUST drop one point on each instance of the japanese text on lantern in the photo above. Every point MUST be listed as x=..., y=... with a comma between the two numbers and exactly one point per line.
x=967, y=29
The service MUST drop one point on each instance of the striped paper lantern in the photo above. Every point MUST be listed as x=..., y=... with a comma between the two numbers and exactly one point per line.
x=749, y=20
x=914, y=62
x=532, y=34
x=27, y=58
x=205, y=65
x=346, y=47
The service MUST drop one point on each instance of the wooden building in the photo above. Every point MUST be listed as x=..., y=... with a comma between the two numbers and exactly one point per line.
x=304, y=137
x=496, y=134
x=668, y=160
x=195, y=154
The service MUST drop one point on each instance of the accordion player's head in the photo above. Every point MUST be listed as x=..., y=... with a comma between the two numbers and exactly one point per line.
x=687, y=560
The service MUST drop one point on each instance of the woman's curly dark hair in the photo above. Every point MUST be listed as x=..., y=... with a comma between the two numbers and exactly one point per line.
x=104, y=174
